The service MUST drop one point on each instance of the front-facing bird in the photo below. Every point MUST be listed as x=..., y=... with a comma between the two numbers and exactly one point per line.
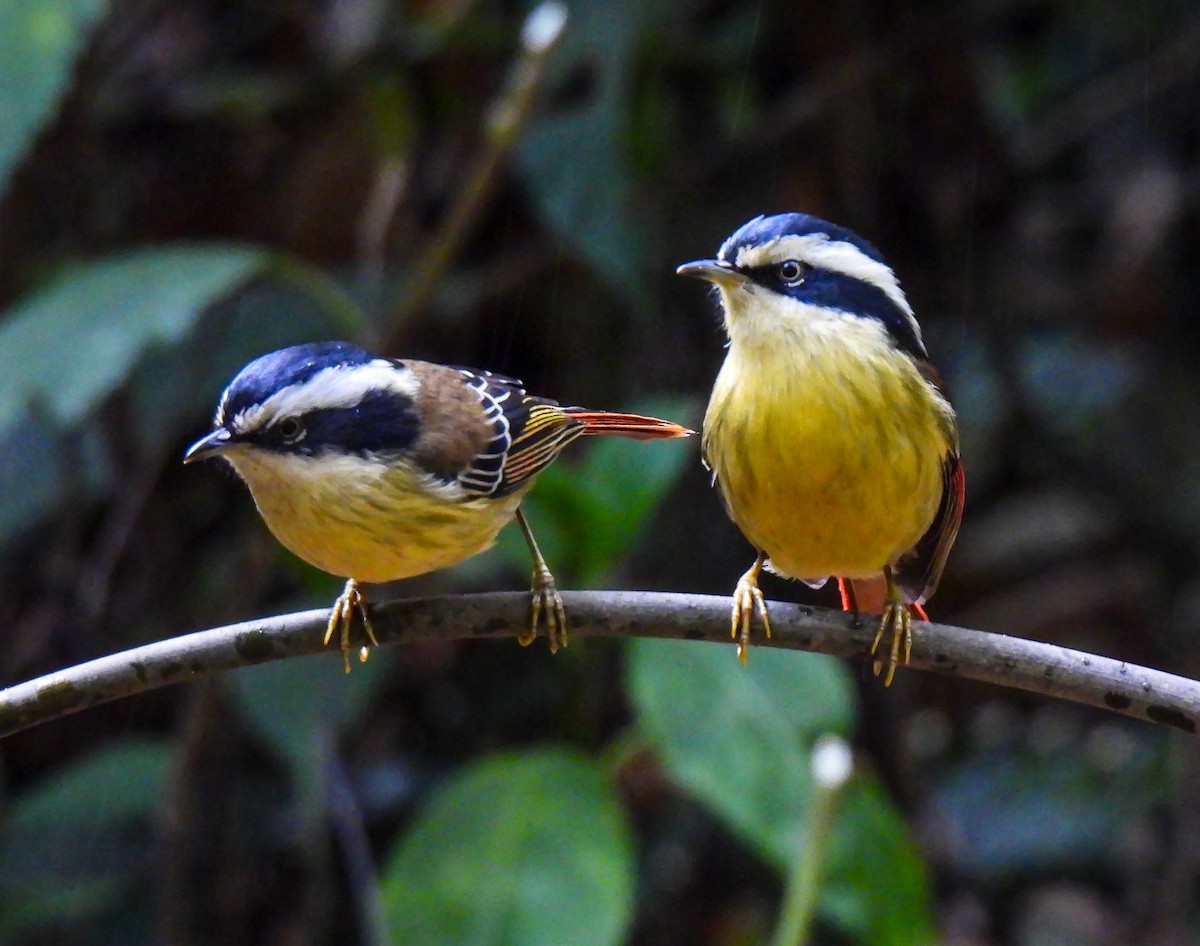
x=376, y=469
x=834, y=448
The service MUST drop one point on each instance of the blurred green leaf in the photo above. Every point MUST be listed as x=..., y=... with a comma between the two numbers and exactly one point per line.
x=876, y=884
x=122, y=781
x=39, y=41
x=518, y=850
x=740, y=738
x=178, y=385
x=68, y=346
x=73, y=846
x=38, y=468
x=575, y=158
x=137, y=317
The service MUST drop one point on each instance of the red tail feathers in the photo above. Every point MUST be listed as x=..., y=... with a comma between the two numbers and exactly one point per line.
x=634, y=426
x=863, y=595
x=868, y=596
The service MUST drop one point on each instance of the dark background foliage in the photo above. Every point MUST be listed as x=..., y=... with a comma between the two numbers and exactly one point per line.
x=188, y=184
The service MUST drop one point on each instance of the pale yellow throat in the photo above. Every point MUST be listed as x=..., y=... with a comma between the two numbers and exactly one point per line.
x=367, y=520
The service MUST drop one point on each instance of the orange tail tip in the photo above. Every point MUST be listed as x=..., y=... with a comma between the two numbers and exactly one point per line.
x=634, y=426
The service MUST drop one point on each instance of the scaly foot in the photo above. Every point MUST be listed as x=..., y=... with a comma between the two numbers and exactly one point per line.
x=896, y=622
x=546, y=610
x=342, y=617
x=546, y=607
x=748, y=598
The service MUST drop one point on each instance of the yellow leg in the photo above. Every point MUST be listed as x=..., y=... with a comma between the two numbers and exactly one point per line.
x=897, y=622
x=546, y=605
x=747, y=598
x=342, y=616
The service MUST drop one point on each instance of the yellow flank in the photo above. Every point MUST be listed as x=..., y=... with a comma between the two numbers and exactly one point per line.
x=366, y=520
x=825, y=440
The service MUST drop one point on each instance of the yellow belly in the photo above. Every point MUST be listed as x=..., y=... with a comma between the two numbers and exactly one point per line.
x=828, y=465
x=366, y=521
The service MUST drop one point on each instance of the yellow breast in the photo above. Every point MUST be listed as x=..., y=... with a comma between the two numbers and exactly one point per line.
x=827, y=445
x=367, y=520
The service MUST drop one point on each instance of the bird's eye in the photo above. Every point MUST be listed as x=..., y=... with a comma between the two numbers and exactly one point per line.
x=791, y=272
x=291, y=430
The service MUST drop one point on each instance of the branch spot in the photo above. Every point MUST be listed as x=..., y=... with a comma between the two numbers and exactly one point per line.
x=60, y=697
x=1117, y=701
x=494, y=627
x=1168, y=716
x=254, y=645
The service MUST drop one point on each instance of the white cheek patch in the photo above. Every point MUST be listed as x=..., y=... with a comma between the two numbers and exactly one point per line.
x=340, y=387
x=818, y=250
x=777, y=321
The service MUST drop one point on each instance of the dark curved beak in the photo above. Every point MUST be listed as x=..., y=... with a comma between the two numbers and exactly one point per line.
x=213, y=445
x=714, y=271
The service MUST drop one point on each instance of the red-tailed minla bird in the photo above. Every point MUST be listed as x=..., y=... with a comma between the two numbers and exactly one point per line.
x=375, y=469
x=834, y=448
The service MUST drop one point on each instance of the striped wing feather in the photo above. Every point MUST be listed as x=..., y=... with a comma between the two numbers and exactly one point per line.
x=529, y=432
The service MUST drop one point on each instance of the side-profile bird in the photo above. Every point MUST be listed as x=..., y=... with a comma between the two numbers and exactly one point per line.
x=834, y=448
x=375, y=469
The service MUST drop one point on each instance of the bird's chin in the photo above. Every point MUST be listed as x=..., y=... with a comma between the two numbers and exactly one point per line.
x=251, y=464
x=740, y=305
x=736, y=296
x=234, y=454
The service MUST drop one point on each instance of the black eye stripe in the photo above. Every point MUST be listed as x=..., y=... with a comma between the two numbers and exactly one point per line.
x=774, y=276
x=832, y=289
x=382, y=423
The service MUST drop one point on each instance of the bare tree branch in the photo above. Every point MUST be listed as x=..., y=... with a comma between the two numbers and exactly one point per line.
x=1046, y=669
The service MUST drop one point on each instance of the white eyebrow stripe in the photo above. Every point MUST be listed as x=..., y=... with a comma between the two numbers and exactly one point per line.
x=341, y=386
x=219, y=419
x=818, y=250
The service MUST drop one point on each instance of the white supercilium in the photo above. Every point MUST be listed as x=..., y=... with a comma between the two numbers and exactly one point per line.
x=339, y=387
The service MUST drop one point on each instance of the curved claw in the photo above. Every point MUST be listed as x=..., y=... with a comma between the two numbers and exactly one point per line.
x=341, y=617
x=546, y=607
x=897, y=622
x=747, y=599
x=546, y=610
